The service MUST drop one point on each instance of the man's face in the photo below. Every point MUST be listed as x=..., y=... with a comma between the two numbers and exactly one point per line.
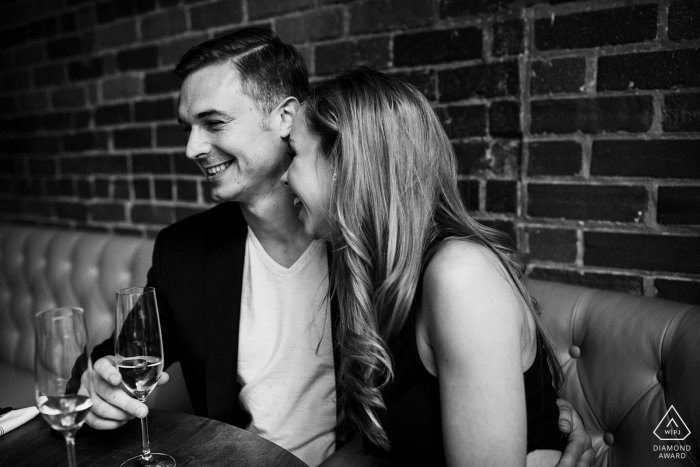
x=238, y=147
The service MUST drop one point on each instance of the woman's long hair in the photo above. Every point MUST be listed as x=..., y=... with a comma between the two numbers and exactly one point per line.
x=394, y=202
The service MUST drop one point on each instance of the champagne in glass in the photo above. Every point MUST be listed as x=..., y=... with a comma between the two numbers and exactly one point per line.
x=139, y=353
x=61, y=353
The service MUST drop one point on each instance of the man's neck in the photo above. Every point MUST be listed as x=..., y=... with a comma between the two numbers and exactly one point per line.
x=276, y=224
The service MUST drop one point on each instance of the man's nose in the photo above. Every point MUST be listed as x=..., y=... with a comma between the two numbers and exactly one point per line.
x=197, y=144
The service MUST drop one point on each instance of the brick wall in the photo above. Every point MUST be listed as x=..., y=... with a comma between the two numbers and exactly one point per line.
x=576, y=123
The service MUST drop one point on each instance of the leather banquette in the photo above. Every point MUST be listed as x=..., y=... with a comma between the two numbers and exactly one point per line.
x=626, y=359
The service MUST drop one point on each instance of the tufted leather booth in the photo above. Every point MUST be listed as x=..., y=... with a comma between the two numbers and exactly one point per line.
x=45, y=268
x=626, y=359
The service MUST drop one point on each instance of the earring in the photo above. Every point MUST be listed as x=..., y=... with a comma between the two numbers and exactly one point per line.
x=335, y=176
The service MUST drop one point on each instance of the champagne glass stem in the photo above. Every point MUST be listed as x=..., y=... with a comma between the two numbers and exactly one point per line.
x=146, y=456
x=70, y=447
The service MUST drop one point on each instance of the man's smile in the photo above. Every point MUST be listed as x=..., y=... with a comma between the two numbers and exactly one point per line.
x=217, y=169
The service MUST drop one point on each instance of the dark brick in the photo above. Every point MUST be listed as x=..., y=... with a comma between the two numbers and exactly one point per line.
x=105, y=11
x=15, y=81
x=686, y=291
x=682, y=112
x=142, y=188
x=121, y=189
x=82, y=118
x=152, y=163
x=651, y=70
x=266, y=8
x=152, y=214
x=424, y=80
x=592, y=115
x=163, y=189
x=558, y=76
x=117, y=34
x=469, y=190
x=507, y=38
x=554, y=158
x=64, y=47
x=152, y=111
x=144, y=6
x=471, y=157
x=172, y=51
x=101, y=187
x=678, y=205
x=167, y=23
x=452, y=8
x=138, y=59
x=673, y=253
x=552, y=244
x=216, y=14
x=598, y=28
x=41, y=166
x=85, y=141
x=311, y=26
x=184, y=166
x=130, y=138
x=68, y=97
x=504, y=119
x=85, y=69
x=488, y=80
x=88, y=165
x=67, y=22
x=161, y=82
x=112, y=114
x=46, y=208
x=108, y=212
x=9, y=165
x=59, y=187
x=384, y=15
x=49, y=75
x=186, y=190
x=684, y=20
x=43, y=28
x=437, y=46
x=587, y=202
x=69, y=210
x=460, y=121
x=170, y=135
x=83, y=189
x=614, y=282
x=654, y=159
x=505, y=159
x=501, y=196
x=121, y=87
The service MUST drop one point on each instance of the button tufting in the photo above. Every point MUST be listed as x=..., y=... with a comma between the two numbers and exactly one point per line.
x=609, y=439
x=575, y=351
x=660, y=376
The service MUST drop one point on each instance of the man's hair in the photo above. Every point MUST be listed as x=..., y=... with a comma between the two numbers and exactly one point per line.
x=269, y=69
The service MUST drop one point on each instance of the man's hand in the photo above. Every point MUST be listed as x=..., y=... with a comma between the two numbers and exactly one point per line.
x=579, y=450
x=111, y=405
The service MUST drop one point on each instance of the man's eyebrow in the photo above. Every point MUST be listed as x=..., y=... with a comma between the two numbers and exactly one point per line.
x=207, y=113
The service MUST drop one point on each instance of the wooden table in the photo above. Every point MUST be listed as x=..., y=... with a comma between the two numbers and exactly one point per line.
x=191, y=440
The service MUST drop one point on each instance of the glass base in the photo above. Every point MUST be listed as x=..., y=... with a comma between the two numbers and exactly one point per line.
x=158, y=459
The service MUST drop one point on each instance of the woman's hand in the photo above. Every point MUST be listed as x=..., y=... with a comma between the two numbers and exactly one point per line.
x=579, y=450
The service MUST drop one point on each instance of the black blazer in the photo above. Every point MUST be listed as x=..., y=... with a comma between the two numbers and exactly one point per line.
x=197, y=272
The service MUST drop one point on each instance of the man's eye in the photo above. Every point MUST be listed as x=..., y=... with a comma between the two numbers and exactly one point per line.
x=214, y=125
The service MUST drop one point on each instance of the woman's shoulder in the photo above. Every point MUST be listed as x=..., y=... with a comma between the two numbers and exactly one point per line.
x=462, y=256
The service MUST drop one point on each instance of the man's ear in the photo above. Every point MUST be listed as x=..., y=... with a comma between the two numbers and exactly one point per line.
x=285, y=112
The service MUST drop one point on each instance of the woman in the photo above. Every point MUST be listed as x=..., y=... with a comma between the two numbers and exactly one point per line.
x=443, y=358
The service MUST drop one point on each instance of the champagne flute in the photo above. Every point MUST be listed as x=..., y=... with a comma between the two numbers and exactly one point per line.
x=139, y=353
x=61, y=352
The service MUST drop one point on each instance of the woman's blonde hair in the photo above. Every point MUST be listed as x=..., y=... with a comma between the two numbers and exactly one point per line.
x=394, y=202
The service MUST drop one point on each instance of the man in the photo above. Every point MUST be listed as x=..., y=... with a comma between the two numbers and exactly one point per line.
x=240, y=287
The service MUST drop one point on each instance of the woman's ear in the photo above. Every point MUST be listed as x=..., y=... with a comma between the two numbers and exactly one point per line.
x=284, y=113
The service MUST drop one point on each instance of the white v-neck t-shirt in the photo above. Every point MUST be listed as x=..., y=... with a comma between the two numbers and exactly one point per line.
x=285, y=351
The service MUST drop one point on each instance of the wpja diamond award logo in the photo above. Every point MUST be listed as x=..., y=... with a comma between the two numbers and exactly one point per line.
x=672, y=428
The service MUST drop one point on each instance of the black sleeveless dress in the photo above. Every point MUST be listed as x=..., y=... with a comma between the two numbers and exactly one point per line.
x=413, y=422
